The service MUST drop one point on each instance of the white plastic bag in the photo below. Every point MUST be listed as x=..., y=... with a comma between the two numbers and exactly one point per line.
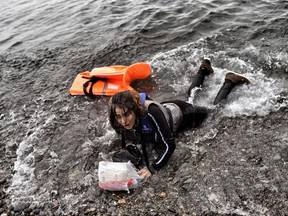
x=117, y=176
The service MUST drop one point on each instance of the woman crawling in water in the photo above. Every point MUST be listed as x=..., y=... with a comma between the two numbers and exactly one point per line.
x=144, y=122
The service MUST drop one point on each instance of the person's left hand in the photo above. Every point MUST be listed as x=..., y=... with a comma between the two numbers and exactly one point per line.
x=145, y=173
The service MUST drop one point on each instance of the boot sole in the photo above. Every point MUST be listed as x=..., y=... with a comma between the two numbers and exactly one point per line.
x=243, y=78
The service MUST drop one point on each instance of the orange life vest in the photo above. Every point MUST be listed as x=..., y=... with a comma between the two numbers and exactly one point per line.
x=109, y=80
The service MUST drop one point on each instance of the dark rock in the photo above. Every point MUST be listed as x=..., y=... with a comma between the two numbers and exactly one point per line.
x=284, y=154
x=2, y=203
x=111, y=209
x=103, y=210
x=2, y=181
x=19, y=208
x=27, y=210
x=36, y=211
x=33, y=206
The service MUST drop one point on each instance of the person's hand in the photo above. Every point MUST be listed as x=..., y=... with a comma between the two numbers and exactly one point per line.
x=144, y=173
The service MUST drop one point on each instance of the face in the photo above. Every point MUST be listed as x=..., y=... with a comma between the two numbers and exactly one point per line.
x=125, y=117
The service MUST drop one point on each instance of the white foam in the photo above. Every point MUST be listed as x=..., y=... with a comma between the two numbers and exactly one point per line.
x=258, y=98
x=106, y=138
x=23, y=185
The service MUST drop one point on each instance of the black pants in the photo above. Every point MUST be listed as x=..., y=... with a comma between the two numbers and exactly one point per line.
x=193, y=116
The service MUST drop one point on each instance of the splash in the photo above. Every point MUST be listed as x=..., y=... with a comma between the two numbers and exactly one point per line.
x=24, y=184
x=259, y=98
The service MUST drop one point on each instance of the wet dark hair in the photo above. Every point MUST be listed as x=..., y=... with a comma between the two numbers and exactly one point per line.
x=129, y=100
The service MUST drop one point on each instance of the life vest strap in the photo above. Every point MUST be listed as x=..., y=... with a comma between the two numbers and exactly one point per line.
x=93, y=81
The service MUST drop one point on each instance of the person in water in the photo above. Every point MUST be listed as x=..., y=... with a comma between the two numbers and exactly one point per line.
x=152, y=125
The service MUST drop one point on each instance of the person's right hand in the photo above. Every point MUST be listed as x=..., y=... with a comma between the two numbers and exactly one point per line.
x=145, y=173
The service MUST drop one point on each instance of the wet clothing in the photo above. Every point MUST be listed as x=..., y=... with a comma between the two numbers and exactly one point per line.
x=156, y=129
x=176, y=114
x=156, y=133
x=193, y=115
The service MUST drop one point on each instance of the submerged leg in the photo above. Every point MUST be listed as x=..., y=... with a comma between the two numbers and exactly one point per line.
x=205, y=69
x=231, y=80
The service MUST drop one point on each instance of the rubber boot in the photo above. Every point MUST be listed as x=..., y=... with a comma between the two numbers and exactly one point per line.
x=205, y=69
x=197, y=80
x=224, y=91
x=231, y=80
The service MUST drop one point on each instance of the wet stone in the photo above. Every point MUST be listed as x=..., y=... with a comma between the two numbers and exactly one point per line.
x=27, y=210
x=2, y=181
x=284, y=154
x=2, y=195
x=91, y=210
x=111, y=209
x=33, y=206
x=19, y=208
x=172, y=210
x=36, y=211
x=10, y=207
x=103, y=210
x=277, y=157
x=42, y=214
x=1, y=203
x=150, y=206
x=153, y=213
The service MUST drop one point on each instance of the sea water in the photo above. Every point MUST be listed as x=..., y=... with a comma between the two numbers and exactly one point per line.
x=49, y=134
